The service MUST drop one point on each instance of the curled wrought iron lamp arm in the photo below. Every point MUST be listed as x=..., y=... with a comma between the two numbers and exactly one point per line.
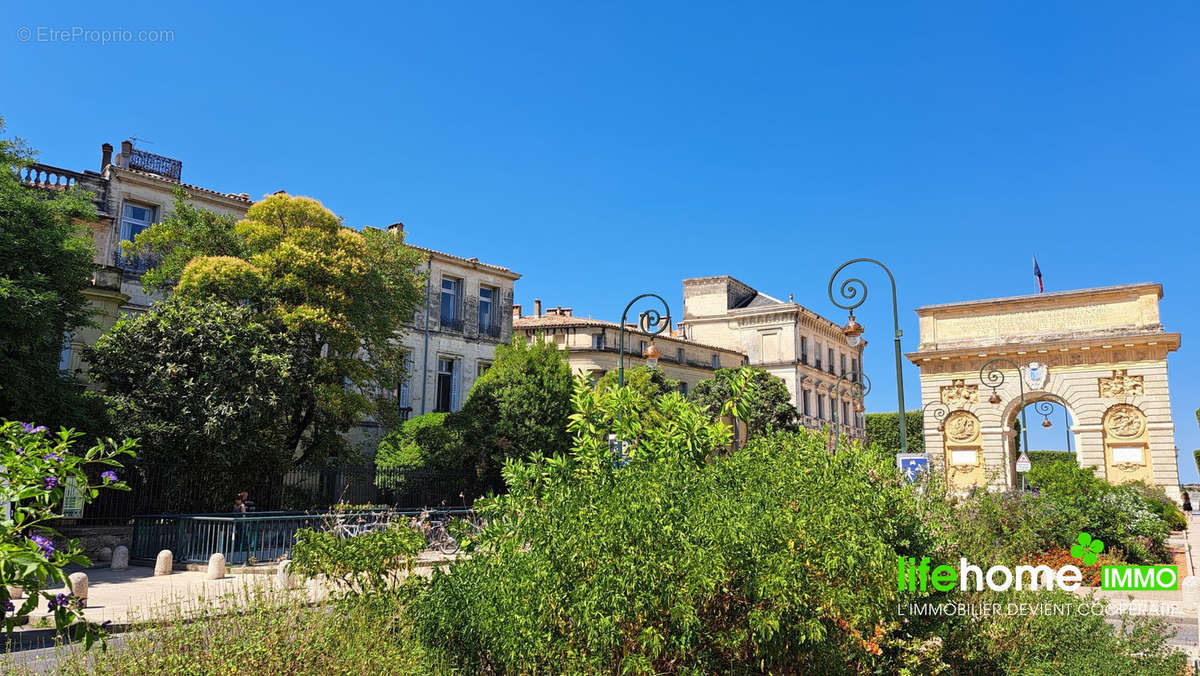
x=940, y=411
x=849, y=291
x=649, y=321
x=994, y=378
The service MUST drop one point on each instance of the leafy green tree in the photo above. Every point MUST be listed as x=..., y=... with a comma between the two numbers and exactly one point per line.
x=768, y=404
x=422, y=442
x=652, y=383
x=207, y=388
x=45, y=263
x=520, y=406
x=341, y=297
x=882, y=429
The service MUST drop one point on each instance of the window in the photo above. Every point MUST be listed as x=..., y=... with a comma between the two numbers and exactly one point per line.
x=803, y=349
x=451, y=304
x=641, y=347
x=489, y=320
x=854, y=369
x=843, y=364
x=683, y=388
x=821, y=406
x=134, y=219
x=804, y=403
x=598, y=341
x=845, y=413
x=831, y=360
x=402, y=403
x=447, y=385
x=482, y=368
x=716, y=361
x=817, y=357
x=679, y=358
x=64, y=357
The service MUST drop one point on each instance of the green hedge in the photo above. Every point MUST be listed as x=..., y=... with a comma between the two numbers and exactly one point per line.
x=882, y=429
x=1038, y=457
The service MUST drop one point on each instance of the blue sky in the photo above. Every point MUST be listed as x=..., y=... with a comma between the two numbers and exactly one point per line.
x=604, y=150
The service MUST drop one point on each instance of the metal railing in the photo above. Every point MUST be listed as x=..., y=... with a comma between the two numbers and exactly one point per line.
x=256, y=537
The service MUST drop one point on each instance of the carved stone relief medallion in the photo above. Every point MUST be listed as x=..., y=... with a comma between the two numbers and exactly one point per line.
x=959, y=395
x=1121, y=385
x=962, y=428
x=1125, y=421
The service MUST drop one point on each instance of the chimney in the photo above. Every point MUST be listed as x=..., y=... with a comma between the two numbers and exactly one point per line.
x=537, y=307
x=126, y=153
x=396, y=228
x=566, y=311
x=516, y=311
x=105, y=155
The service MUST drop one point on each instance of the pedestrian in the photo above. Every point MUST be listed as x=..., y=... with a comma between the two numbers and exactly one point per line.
x=247, y=503
x=1187, y=504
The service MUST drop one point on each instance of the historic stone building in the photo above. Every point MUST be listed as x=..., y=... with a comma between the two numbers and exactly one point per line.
x=592, y=346
x=466, y=312
x=808, y=352
x=1101, y=353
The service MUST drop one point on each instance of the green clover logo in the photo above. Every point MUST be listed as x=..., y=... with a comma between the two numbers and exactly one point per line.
x=1087, y=549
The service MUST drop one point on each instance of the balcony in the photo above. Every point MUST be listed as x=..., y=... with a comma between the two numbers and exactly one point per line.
x=134, y=265
x=47, y=177
x=491, y=330
x=452, y=323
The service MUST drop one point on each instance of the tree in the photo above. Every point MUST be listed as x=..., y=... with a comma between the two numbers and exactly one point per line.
x=340, y=296
x=769, y=405
x=882, y=429
x=518, y=407
x=207, y=388
x=45, y=263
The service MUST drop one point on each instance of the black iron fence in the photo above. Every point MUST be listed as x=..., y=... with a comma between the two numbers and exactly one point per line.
x=163, y=492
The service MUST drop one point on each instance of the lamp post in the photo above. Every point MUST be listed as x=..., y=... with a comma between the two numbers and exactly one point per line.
x=649, y=322
x=994, y=378
x=859, y=386
x=849, y=290
x=940, y=411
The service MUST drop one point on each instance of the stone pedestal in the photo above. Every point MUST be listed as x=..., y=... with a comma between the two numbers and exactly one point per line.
x=283, y=576
x=104, y=555
x=216, y=567
x=164, y=564
x=120, y=558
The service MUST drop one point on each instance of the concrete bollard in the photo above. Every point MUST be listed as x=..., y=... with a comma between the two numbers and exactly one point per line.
x=216, y=566
x=283, y=576
x=120, y=558
x=164, y=563
x=104, y=555
x=79, y=587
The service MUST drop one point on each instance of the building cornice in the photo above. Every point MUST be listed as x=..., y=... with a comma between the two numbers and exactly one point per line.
x=1039, y=300
x=1171, y=342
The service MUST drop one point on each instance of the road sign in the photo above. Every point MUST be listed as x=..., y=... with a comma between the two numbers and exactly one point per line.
x=912, y=465
x=1023, y=463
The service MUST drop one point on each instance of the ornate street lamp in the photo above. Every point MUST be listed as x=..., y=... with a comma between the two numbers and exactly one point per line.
x=649, y=322
x=940, y=411
x=994, y=378
x=859, y=386
x=849, y=290
x=1044, y=408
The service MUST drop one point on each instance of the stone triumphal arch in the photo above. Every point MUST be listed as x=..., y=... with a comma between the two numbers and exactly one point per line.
x=1101, y=353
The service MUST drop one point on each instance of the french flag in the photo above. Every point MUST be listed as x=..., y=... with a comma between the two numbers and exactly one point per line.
x=1037, y=272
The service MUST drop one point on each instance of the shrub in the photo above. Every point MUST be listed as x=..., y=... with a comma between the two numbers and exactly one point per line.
x=882, y=429
x=38, y=469
x=771, y=404
x=421, y=442
x=1040, y=457
x=374, y=562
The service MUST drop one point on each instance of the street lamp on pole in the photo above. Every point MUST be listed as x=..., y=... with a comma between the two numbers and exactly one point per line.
x=849, y=291
x=859, y=386
x=649, y=322
x=994, y=378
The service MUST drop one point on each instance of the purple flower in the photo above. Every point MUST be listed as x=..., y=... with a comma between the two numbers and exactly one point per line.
x=52, y=457
x=29, y=428
x=50, y=481
x=9, y=607
x=108, y=475
x=43, y=544
x=20, y=451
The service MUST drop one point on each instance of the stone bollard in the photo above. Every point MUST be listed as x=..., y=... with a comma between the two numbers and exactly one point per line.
x=104, y=555
x=283, y=576
x=1191, y=594
x=120, y=558
x=164, y=563
x=216, y=566
x=79, y=587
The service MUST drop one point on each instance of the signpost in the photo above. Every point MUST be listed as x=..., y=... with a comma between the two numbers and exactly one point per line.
x=1023, y=466
x=912, y=465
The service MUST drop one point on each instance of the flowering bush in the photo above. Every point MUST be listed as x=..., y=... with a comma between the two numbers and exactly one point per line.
x=1060, y=556
x=39, y=467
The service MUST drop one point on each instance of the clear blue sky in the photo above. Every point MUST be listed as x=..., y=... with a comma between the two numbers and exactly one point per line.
x=603, y=150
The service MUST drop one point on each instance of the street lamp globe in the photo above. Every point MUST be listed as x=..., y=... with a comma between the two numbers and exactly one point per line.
x=651, y=354
x=853, y=331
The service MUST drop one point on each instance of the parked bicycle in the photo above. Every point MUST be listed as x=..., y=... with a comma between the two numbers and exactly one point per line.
x=433, y=525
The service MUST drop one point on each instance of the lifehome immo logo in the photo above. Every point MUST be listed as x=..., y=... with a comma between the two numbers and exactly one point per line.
x=922, y=575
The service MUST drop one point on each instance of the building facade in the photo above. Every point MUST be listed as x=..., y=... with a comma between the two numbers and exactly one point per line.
x=466, y=313
x=592, y=346
x=808, y=352
x=1101, y=353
